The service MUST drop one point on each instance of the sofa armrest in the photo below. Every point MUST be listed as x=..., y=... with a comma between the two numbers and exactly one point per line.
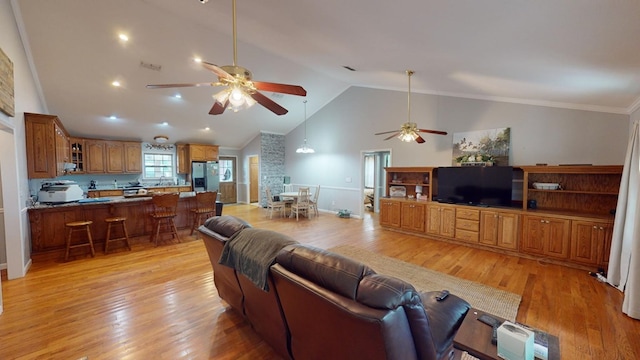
x=445, y=317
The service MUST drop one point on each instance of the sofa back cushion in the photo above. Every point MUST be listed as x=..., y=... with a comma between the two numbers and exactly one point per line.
x=223, y=226
x=332, y=271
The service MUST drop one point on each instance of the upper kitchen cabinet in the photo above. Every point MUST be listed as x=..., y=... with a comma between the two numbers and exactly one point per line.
x=47, y=146
x=132, y=157
x=182, y=153
x=113, y=157
x=203, y=152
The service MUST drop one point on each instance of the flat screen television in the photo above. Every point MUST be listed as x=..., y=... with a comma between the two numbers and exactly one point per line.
x=475, y=185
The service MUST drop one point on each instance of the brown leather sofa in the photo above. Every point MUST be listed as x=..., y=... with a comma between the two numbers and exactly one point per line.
x=321, y=305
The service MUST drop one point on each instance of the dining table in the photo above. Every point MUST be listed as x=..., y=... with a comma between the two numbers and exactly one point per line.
x=291, y=194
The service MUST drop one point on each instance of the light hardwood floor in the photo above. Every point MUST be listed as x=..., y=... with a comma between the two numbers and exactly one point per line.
x=161, y=302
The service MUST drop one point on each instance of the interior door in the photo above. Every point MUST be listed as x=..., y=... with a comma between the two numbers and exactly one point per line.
x=254, y=175
x=228, y=182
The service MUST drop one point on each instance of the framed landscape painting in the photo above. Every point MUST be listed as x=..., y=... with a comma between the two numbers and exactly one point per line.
x=6, y=85
x=482, y=147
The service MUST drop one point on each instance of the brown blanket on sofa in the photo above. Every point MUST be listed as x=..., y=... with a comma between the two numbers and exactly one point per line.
x=252, y=251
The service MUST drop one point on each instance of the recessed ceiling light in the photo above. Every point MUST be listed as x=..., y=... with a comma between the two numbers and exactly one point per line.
x=113, y=117
x=178, y=96
x=207, y=128
x=164, y=123
x=197, y=59
x=116, y=83
x=123, y=37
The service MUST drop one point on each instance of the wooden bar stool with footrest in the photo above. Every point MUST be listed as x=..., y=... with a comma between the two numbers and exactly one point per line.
x=76, y=226
x=125, y=236
x=164, y=210
x=205, y=207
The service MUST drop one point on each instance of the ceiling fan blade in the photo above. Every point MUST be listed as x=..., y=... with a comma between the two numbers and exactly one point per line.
x=268, y=103
x=394, y=135
x=280, y=88
x=218, y=108
x=419, y=139
x=164, y=86
x=386, y=132
x=218, y=71
x=433, y=131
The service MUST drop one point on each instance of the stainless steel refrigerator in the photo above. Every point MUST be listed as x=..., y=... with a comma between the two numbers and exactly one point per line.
x=205, y=176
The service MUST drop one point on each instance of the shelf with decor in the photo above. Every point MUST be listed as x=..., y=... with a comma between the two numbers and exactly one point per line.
x=582, y=189
x=412, y=179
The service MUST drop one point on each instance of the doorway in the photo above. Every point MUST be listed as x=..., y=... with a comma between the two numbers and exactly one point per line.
x=374, y=178
x=228, y=182
x=254, y=176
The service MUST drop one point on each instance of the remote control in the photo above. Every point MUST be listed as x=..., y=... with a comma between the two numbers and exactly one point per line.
x=443, y=295
x=489, y=320
x=494, y=335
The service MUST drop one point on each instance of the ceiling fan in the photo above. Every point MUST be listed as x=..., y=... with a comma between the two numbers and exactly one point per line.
x=241, y=91
x=409, y=130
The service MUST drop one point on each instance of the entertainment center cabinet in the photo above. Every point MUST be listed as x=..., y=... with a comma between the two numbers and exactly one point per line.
x=571, y=225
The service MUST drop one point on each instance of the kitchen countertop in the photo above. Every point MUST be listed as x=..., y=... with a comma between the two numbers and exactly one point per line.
x=103, y=200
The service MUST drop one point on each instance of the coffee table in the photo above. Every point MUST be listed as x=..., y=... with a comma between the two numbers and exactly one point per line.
x=474, y=337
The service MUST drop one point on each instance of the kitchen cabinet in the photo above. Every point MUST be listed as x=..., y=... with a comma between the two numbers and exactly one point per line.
x=413, y=216
x=132, y=157
x=590, y=242
x=203, y=152
x=77, y=155
x=441, y=219
x=95, y=156
x=114, y=157
x=47, y=144
x=546, y=236
x=390, y=212
x=499, y=228
x=182, y=154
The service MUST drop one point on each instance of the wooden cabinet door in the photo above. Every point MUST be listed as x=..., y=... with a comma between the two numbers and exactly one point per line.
x=77, y=155
x=115, y=157
x=557, y=238
x=211, y=153
x=607, y=234
x=413, y=217
x=183, y=156
x=533, y=235
x=433, y=219
x=95, y=156
x=508, y=231
x=197, y=153
x=62, y=150
x=489, y=227
x=588, y=241
x=390, y=213
x=41, y=146
x=448, y=222
x=133, y=157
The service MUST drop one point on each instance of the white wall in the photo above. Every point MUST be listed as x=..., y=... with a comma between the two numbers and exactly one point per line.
x=346, y=126
x=251, y=149
x=15, y=187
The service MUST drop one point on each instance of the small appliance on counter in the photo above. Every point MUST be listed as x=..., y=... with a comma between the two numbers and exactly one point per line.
x=61, y=191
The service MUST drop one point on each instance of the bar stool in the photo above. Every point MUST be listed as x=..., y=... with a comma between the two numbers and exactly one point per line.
x=205, y=207
x=116, y=221
x=79, y=226
x=164, y=210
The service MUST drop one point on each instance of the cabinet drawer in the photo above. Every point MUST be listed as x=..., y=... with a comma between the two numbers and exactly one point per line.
x=111, y=193
x=470, y=214
x=465, y=235
x=470, y=225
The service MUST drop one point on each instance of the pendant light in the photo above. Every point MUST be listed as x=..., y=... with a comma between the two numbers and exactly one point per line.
x=304, y=149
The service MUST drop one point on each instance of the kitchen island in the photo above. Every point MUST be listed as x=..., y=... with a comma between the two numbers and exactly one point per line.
x=47, y=222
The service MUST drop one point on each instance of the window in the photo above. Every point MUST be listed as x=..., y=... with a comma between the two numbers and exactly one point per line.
x=158, y=165
x=226, y=170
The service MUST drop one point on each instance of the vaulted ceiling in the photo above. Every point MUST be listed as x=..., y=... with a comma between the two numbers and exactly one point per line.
x=560, y=53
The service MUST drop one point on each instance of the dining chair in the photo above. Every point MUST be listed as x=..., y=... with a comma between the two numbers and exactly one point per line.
x=205, y=207
x=302, y=203
x=314, y=202
x=274, y=205
x=164, y=210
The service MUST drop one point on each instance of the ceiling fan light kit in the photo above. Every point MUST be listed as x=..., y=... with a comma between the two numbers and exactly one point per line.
x=241, y=91
x=304, y=149
x=409, y=131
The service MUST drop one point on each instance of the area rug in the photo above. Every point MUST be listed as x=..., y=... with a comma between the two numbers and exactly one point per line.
x=486, y=298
